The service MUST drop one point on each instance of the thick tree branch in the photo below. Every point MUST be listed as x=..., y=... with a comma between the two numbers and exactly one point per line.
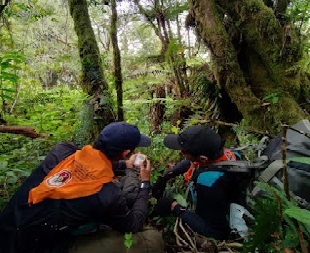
x=26, y=131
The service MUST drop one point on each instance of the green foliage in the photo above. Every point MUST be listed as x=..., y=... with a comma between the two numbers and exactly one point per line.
x=19, y=156
x=301, y=159
x=128, y=240
x=180, y=199
x=10, y=64
x=277, y=221
x=267, y=222
x=173, y=51
x=301, y=215
x=271, y=98
x=33, y=12
x=53, y=112
x=298, y=12
x=174, y=9
x=246, y=138
x=50, y=111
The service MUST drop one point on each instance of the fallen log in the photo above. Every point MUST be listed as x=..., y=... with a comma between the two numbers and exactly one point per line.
x=26, y=131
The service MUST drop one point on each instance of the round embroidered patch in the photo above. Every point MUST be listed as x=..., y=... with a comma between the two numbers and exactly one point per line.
x=59, y=179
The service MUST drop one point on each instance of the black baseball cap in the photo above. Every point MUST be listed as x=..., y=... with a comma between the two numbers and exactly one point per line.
x=122, y=136
x=197, y=140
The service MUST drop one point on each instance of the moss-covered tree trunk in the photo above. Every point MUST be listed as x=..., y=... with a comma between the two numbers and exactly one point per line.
x=117, y=63
x=256, y=64
x=93, y=79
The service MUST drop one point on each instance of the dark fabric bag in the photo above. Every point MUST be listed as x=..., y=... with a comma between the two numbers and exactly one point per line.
x=297, y=150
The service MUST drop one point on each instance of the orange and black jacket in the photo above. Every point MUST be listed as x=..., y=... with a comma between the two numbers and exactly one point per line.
x=23, y=225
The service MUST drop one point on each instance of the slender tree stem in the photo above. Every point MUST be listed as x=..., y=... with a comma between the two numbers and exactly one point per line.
x=284, y=169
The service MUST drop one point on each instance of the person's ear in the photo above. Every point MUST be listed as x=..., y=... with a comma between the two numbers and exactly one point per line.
x=203, y=159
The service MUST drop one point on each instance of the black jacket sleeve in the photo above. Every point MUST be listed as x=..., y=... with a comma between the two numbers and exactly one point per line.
x=178, y=169
x=119, y=168
x=123, y=218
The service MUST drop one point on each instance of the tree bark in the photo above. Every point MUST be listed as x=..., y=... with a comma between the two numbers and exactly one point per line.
x=27, y=131
x=93, y=78
x=253, y=69
x=117, y=63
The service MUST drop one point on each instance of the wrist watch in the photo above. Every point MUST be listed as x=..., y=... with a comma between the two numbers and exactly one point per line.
x=145, y=185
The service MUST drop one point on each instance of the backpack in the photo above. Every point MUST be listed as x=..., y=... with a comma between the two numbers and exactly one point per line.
x=267, y=165
x=297, y=161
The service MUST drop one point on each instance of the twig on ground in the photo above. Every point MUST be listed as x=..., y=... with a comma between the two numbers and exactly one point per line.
x=193, y=244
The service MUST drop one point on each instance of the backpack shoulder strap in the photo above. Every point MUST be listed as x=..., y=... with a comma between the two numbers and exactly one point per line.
x=269, y=175
x=239, y=166
x=271, y=171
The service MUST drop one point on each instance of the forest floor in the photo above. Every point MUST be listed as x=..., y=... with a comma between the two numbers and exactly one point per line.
x=182, y=239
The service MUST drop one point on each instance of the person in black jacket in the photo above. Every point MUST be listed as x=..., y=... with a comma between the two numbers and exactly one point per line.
x=56, y=199
x=215, y=189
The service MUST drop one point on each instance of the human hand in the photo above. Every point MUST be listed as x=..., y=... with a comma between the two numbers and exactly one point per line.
x=130, y=162
x=145, y=170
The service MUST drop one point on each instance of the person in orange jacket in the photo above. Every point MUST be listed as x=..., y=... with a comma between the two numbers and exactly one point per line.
x=72, y=188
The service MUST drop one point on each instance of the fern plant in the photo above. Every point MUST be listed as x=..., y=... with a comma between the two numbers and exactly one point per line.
x=279, y=223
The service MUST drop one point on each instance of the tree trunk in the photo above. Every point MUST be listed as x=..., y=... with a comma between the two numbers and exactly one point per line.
x=117, y=63
x=254, y=69
x=157, y=110
x=175, y=61
x=93, y=79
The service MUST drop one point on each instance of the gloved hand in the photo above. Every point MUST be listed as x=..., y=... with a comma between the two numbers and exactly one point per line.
x=163, y=206
x=158, y=187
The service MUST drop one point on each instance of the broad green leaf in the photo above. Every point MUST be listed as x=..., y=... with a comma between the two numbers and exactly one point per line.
x=41, y=158
x=9, y=76
x=291, y=237
x=3, y=165
x=301, y=159
x=174, y=129
x=275, y=100
x=10, y=174
x=128, y=244
x=12, y=180
x=7, y=97
x=128, y=236
x=180, y=199
x=299, y=214
x=7, y=90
